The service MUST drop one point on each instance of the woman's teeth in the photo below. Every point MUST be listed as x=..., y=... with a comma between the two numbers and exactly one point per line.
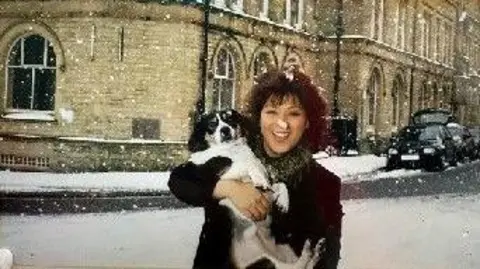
x=281, y=134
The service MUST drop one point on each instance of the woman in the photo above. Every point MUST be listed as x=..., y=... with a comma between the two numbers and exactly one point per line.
x=288, y=117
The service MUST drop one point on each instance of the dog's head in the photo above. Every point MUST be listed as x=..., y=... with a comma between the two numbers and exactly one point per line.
x=215, y=128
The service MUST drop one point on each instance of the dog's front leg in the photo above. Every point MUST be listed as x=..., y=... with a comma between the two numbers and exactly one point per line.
x=258, y=174
x=280, y=196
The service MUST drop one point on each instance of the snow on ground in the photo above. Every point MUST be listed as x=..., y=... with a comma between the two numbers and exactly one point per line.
x=86, y=182
x=345, y=167
x=434, y=232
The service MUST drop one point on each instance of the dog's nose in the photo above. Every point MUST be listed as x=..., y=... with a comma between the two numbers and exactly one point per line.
x=225, y=133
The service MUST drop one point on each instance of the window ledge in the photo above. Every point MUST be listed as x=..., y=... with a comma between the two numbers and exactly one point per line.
x=30, y=116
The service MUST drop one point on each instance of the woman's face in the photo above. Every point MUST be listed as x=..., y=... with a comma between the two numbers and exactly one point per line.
x=282, y=125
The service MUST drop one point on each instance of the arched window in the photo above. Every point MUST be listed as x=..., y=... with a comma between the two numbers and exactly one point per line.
x=424, y=96
x=372, y=91
x=261, y=63
x=31, y=75
x=223, y=95
x=397, y=93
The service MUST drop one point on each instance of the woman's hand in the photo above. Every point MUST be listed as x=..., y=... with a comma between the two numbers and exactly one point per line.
x=250, y=201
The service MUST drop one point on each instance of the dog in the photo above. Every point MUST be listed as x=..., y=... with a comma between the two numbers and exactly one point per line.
x=222, y=134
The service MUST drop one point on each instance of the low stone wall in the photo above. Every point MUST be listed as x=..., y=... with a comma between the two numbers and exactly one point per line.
x=77, y=155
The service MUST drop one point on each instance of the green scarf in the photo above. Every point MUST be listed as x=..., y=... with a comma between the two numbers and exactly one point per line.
x=286, y=168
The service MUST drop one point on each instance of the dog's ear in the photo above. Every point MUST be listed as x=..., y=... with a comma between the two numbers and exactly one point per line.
x=197, y=141
x=245, y=123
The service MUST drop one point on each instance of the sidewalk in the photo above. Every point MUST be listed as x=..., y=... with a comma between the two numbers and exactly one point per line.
x=349, y=169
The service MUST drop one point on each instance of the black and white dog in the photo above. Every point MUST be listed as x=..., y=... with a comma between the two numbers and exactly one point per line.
x=220, y=134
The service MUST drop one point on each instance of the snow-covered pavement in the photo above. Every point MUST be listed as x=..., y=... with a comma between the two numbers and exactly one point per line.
x=348, y=168
x=432, y=232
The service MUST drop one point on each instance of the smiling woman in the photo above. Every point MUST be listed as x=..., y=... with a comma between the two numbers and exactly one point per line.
x=288, y=118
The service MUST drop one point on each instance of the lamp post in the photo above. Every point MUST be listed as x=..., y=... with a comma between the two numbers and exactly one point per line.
x=200, y=106
x=337, y=77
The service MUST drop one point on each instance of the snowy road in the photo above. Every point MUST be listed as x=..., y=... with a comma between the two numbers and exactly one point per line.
x=406, y=233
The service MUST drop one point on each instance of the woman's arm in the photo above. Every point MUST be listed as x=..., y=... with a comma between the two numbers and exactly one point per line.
x=194, y=184
x=199, y=185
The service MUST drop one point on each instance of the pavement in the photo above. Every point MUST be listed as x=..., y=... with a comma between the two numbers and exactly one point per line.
x=462, y=179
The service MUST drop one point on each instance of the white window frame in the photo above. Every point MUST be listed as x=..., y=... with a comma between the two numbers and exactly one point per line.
x=396, y=100
x=226, y=76
x=427, y=35
x=437, y=40
x=22, y=113
x=288, y=14
x=264, y=13
x=372, y=92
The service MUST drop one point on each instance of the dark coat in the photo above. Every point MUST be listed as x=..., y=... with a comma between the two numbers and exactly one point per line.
x=315, y=212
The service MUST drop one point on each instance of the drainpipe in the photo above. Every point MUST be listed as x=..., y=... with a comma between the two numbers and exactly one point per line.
x=337, y=77
x=200, y=106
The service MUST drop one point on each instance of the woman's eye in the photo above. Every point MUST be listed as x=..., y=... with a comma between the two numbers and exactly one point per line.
x=270, y=112
x=295, y=113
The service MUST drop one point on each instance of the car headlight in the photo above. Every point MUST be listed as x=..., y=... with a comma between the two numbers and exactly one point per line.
x=392, y=151
x=429, y=150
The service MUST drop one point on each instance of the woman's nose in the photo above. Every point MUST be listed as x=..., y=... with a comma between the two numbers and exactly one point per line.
x=282, y=123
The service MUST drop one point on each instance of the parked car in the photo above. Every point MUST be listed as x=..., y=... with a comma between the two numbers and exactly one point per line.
x=428, y=146
x=464, y=141
x=432, y=115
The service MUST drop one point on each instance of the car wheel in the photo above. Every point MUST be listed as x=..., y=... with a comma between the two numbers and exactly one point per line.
x=391, y=165
x=453, y=160
x=442, y=162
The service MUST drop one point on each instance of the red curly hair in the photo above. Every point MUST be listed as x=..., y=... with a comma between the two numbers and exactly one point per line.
x=279, y=85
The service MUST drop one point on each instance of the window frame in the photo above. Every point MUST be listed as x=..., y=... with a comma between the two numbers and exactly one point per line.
x=224, y=77
x=24, y=113
x=288, y=14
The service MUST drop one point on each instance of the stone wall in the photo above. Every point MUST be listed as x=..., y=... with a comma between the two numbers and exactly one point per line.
x=76, y=155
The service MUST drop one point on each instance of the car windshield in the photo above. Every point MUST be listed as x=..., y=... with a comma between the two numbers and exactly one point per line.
x=429, y=117
x=420, y=133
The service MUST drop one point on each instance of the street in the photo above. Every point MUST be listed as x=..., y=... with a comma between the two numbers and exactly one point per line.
x=429, y=220
x=426, y=232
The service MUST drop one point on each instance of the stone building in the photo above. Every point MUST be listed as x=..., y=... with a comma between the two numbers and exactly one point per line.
x=112, y=85
x=398, y=56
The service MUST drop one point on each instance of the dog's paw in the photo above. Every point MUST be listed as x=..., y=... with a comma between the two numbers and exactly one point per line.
x=305, y=256
x=281, y=196
x=317, y=253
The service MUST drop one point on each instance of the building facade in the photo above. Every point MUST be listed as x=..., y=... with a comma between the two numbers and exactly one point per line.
x=399, y=56
x=113, y=85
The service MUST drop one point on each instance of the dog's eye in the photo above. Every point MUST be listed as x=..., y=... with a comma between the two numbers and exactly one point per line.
x=227, y=115
x=212, y=124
